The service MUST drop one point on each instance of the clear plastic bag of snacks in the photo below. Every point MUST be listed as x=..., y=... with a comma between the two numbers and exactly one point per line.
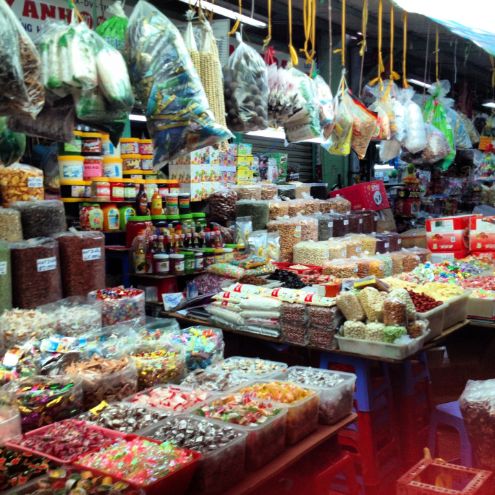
x=277, y=209
x=339, y=204
x=372, y=303
x=221, y=206
x=10, y=225
x=41, y=218
x=415, y=138
x=20, y=183
x=343, y=268
x=349, y=305
x=12, y=144
x=311, y=252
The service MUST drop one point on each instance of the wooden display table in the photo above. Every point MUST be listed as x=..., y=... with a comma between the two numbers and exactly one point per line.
x=290, y=456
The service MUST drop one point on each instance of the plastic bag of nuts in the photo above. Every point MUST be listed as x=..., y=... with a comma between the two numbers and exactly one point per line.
x=246, y=89
x=82, y=262
x=372, y=303
x=293, y=312
x=41, y=218
x=10, y=225
x=343, y=268
x=322, y=337
x=350, y=306
x=293, y=332
x=268, y=191
x=394, y=312
x=20, y=183
x=221, y=206
x=249, y=192
x=311, y=252
x=339, y=204
x=328, y=317
x=35, y=273
x=354, y=329
x=278, y=209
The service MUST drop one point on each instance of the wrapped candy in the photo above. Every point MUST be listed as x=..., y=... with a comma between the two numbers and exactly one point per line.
x=120, y=304
x=214, y=380
x=18, y=468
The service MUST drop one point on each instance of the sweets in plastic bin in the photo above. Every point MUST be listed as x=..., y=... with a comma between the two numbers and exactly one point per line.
x=10, y=420
x=18, y=468
x=336, y=390
x=66, y=440
x=213, y=380
x=123, y=417
x=165, y=363
x=43, y=400
x=203, y=345
x=303, y=403
x=105, y=379
x=254, y=367
x=264, y=421
x=120, y=304
x=354, y=329
x=35, y=273
x=140, y=462
x=222, y=449
x=169, y=397
x=19, y=325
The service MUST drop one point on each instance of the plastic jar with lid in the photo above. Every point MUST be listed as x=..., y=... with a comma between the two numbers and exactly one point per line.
x=199, y=262
x=129, y=146
x=91, y=144
x=101, y=189
x=108, y=148
x=188, y=261
x=209, y=256
x=177, y=264
x=75, y=188
x=112, y=166
x=136, y=225
x=161, y=263
x=146, y=147
x=150, y=186
x=199, y=219
x=163, y=190
x=172, y=201
x=73, y=147
x=129, y=189
x=159, y=221
x=131, y=161
x=146, y=162
x=117, y=191
x=184, y=203
x=93, y=167
x=71, y=167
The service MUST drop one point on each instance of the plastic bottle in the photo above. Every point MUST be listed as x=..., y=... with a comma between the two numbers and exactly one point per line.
x=111, y=217
x=139, y=254
x=142, y=201
x=156, y=204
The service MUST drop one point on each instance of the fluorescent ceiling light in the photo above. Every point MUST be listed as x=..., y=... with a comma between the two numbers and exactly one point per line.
x=419, y=83
x=217, y=9
x=489, y=104
x=269, y=133
x=137, y=118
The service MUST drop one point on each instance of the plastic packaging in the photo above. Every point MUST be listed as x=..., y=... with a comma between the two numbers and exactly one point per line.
x=168, y=85
x=253, y=367
x=12, y=144
x=222, y=206
x=10, y=225
x=20, y=183
x=5, y=279
x=415, y=139
x=120, y=304
x=341, y=268
x=353, y=329
x=114, y=28
x=41, y=218
x=350, y=306
x=311, y=252
x=278, y=209
x=35, y=273
x=327, y=110
x=257, y=210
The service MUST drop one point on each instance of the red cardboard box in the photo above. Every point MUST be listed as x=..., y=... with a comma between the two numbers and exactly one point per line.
x=448, y=234
x=482, y=234
x=367, y=195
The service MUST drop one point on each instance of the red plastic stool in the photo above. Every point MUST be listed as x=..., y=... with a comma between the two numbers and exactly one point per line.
x=339, y=478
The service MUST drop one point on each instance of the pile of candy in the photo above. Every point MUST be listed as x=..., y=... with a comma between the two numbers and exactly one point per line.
x=139, y=461
x=284, y=392
x=446, y=271
x=66, y=440
x=251, y=366
x=485, y=283
x=440, y=291
x=217, y=381
x=123, y=417
x=120, y=304
x=423, y=302
x=169, y=397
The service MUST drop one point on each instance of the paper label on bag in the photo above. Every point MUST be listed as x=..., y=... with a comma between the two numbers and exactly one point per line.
x=35, y=182
x=3, y=268
x=91, y=254
x=46, y=264
x=346, y=222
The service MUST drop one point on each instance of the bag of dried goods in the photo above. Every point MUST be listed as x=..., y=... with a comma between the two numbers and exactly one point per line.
x=372, y=303
x=415, y=135
x=246, y=89
x=437, y=148
x=5, y=280
x=349, y=305
x=435, y=113
x=12, y=144
x=113, y=29
x=283, y=99
x=20, y=76
x=41, y=218
x=461, y=135
x=326, y=105
x=20, y=183
x=354, y=329
x=167, y=84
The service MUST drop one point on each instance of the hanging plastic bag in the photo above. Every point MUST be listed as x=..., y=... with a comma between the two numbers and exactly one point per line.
x=169, y=87
x=461, y=136
x=283, y=100
x=246, y=89
x=20, y=76
x=415, y=136
x=326, y=105
x=437, y=148
x=383, y=107
x=435, y=113
x=474, y=135
x=12, y=144
x=389, y=150
x=305, y=124
x=47, y=45
x=114, y=28
x=364, y=123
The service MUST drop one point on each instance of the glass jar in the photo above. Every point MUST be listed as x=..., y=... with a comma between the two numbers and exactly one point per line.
x=136, y=225
x=159, y=221
x=209, y=256
x=199, y=262
x=172, y=201
x=101, y=189
x=177, y=264
x=91, y=143
x=117, y=192
x=161, y=264
x=129, y=190
x=200, y=219
x=188, y=262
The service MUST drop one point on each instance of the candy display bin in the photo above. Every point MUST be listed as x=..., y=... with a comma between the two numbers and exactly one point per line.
x=217, y=470
x=110, y=437
x=457, y=310
x=302, y=417
x=230, y=364
x=10, y=424
x=176, y=482
x=436, y=320
x=422, y=479
x=335, y=402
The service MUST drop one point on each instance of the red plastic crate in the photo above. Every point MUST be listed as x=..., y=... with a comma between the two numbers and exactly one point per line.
x=176, y=482
x=111, y=434
x=422, y=478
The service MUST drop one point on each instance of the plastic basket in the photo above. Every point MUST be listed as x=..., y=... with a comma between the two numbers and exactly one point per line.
x=335, y=402
x=219, y=469
x=422, y=478
x=110, y=434
x=279, y=373
x=436, y=320
x=457, y=310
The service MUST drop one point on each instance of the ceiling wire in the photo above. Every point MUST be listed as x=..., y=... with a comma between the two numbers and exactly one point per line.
x=330, y=43
x=427, y=56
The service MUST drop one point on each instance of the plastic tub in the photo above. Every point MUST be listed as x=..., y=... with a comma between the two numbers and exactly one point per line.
x=252, y=367
x=380, y=349
x=335, y=402
x=457, y=310
x=217, y=469
x=71, y=167
x=436, y=320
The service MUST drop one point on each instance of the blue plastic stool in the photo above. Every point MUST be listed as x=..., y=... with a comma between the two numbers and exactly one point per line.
x=365, y=395
x=449, y=414
x=412, y=378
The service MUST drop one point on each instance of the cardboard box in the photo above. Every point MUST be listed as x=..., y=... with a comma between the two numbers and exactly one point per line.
x=454, y=255
x=367, y=196
x=448, y=234
x=482, y=234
